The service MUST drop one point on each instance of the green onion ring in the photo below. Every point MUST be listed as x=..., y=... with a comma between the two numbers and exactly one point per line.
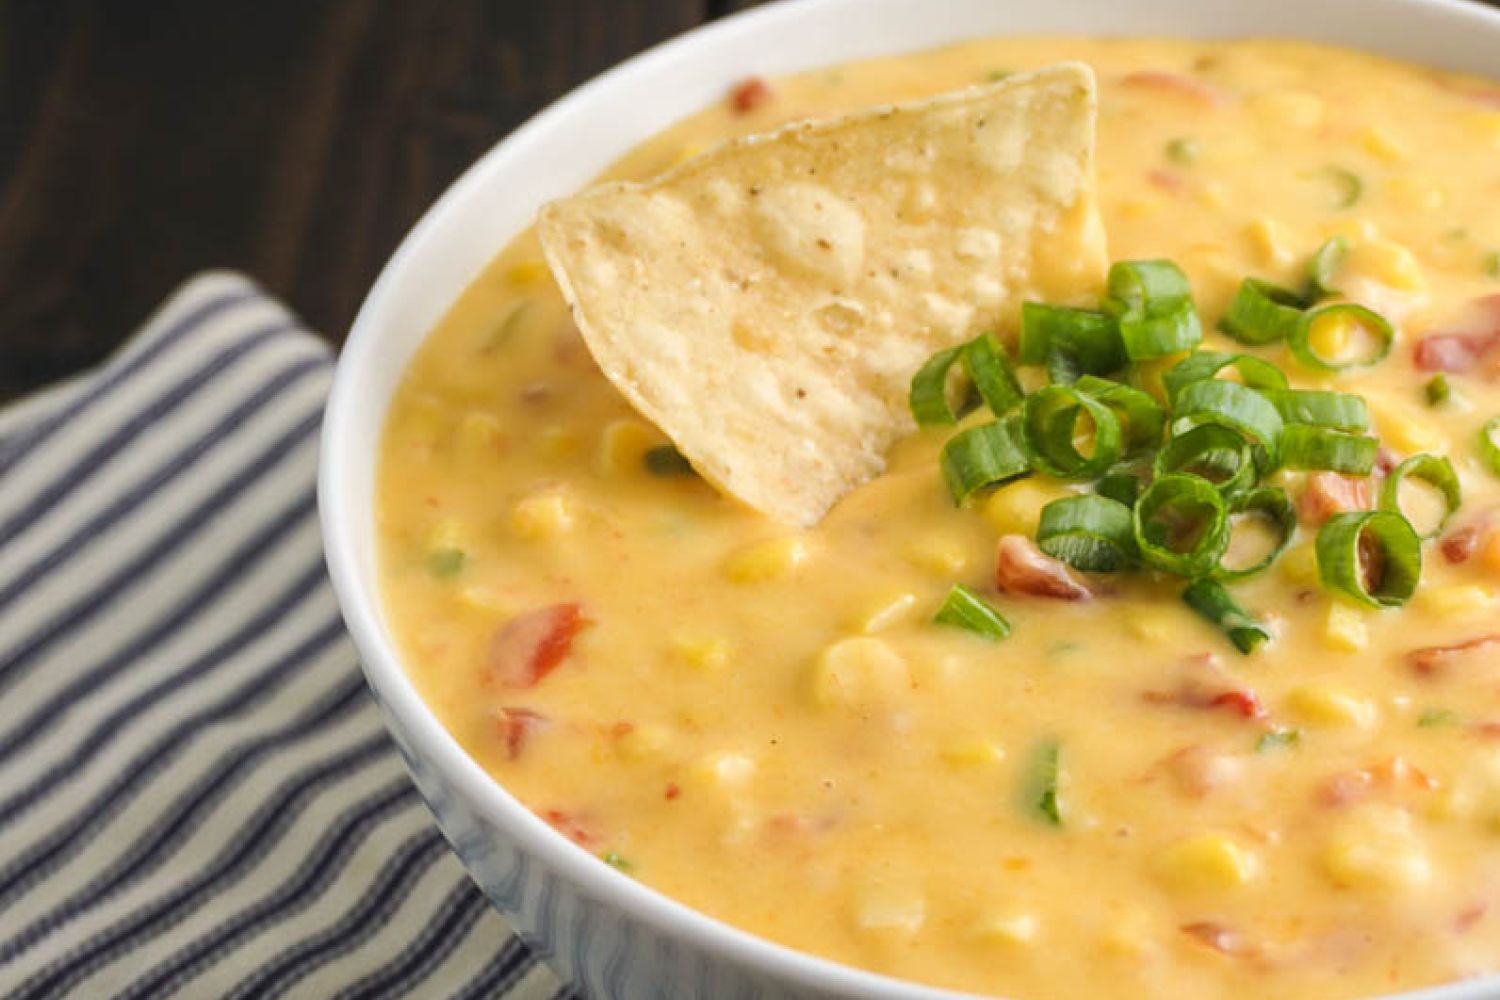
x=1212, y=601
x=1432, y=469
x=1084, y=340
x=1257, y=373
x=1261, y=313
x=1306, y=447
x=1212, y=452
x=1324, y=265
x=1088, y=532
x=1355, y=546
x=1168, y=504
x=1141, y=417
x=1215, y=401
x=965, y=609
x=1437, y=390
x=1272, y=503
x=1489, y=445
x=929, y=391
x=1299, y=340
x=1049, y=422
x=980, y=457
x=1351, y=184
x=1341, y=411
x=990, y=371
x=1153, y=303
x=1121, y=487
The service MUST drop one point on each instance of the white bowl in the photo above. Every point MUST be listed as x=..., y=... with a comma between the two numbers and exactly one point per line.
x=601, y=930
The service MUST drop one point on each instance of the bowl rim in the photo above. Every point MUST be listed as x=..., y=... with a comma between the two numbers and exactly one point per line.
x=396, y=692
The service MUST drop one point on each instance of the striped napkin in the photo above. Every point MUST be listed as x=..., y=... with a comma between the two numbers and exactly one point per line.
x=196, y=794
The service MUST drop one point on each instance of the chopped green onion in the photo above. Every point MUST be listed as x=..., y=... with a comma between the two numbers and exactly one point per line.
x=980, y=457
x=1304, y=446
x=1215, y=401
x=617, y=861
x=666, y=460
x=1050, y=423
x=965, y=609
x=989, y=370
x=1374, y=557
x=1122, y=487
x=1341, y=411
x=447, y=563
x=1261, y=313
x=1489, y=445
x=1432, y=469
x=1257, y=373
x=1047, y=770
x=1212, y=601
x=1351, y=186
x=1081, y=340
x=1183, y=151
x=1273, y=739
x=1491, y=264
x=1270, y=503
x=1181, y=525
x=1153, y=303
x=929, y=391
x=1141, y=417
x=1324, y=265
x=1437, y=390
x=1433, y=718
x=1088, y=532
x=1300, y=339
x=1212, y=452
x=505, y=331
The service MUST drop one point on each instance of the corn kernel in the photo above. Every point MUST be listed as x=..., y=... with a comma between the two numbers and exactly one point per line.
x=1152, y=625
x=1008, y=927
x=446, y=533
x=1486, y=126
x=725, y=771
x=557, y=442
x=884, y=611
x=646, y=740
x=701, y=652
x=1275, y=245
x=1383, y=144
x=1345, y=629
x=1209, y=862
x=1300, y=564
x=1327, y=707
x=1290, y=108
x=972, y=753
x=889, y=906
x=1417, y=194
x=1377, y=850
x=526, y=272
x=1458, y=601
x=486, y=599
x=542, y=515
x=941, y=555
x=768, y=560
x=859, y=672
x=1387, y=263
x=479, y=432
x=1330, y=336
x=1406, y=429
x=623, y=445
x=1489, y=553
x=1015, y=509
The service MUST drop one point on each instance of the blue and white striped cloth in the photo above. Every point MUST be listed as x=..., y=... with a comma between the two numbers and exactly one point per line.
x=196, y=795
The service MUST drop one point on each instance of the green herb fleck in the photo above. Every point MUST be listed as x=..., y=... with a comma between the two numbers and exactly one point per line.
x=1491, y=264
x=617, y=861
x=996, y=75
x=1434, y=718
x=1047, y=771
x=1438, y=390
x=1273, y=739
x=1183, y=151
x=506, y=330
x=1351, y=186
x=447, y=563
x=666, y=461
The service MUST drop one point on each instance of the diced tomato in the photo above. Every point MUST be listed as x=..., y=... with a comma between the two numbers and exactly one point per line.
x=1328, y=493
x=570, y=826
x=1430, y=659
x=1458, y=546
x=1475, y=335
x=1198, y=91
x=1205, y=684
x=1216, y=936
x=1241, y=701
x=1469, y=916
x=1167, y=180
x=1022, y=568
x=516, y=726
x=1392, y=775
x=749, y=94
x=673, y=791
x=531, y=645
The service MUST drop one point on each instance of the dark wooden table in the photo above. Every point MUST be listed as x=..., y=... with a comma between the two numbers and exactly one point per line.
x=296, y=140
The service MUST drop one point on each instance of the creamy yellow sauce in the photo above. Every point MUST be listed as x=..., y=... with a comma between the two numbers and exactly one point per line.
x=714, y=730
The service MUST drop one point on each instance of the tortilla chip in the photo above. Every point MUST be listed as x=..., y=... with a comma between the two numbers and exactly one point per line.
x=766, y=303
